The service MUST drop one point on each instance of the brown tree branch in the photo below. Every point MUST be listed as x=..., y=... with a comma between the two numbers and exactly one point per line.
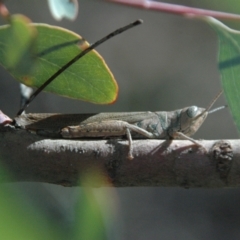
x=30, y=157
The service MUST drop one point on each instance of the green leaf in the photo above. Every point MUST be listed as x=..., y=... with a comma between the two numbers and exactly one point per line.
x=229, y=65
x=88, y=79
x=17, y=45
x=18, y=214
x=96, y=212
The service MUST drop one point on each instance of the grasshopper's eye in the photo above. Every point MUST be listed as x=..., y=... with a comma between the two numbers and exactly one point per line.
x=192, y=111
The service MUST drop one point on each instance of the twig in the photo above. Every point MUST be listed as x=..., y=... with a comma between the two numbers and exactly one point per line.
x=177, y=9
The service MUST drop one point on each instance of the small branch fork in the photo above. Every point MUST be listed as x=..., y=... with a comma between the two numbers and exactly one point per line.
x=156, y=162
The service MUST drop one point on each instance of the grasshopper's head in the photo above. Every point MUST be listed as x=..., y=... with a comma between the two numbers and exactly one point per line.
x=191, y=119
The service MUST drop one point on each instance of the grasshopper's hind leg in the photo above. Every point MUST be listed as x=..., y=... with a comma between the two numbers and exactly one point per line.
x=136, y=129
x=108, y=128
x=129, y=136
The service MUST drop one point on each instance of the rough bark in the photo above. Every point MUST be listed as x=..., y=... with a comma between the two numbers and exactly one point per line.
x=30, y=157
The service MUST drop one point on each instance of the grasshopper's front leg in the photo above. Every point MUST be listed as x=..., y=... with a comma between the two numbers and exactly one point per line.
x=108, y=128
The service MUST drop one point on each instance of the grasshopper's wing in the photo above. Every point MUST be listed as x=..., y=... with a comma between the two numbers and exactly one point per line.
x=130, y=117
x=51, y=124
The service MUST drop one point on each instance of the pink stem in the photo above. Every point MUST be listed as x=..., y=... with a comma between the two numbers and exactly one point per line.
x=177, y=9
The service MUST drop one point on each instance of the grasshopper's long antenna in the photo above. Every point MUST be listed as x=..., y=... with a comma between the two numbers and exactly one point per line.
x=213, y=101
x=91, y=47
x=210, y=105
x=217, y=109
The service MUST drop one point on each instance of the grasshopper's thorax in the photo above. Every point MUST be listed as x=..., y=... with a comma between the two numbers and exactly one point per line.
x=191, y=119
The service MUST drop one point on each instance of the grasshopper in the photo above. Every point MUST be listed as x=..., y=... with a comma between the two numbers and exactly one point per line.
x=178, y=124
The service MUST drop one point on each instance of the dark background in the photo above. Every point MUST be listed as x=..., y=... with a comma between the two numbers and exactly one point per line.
x=167, y=63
